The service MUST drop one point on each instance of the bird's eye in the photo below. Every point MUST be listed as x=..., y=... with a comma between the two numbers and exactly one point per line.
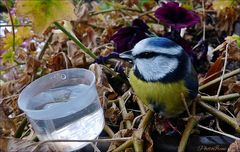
x=146, y=55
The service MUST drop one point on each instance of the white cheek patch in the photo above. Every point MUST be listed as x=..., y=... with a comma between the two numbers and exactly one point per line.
x=156, y=68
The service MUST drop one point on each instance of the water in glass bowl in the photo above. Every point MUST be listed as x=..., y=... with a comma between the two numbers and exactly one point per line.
x=84, y=124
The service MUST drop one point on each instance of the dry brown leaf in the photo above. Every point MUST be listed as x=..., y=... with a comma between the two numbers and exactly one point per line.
x=20, y=145
x=107, y=34
x=59, y=36
x=233, y=88
x=101, y=80
x=234, y=147
x=58, y=62
x=32, y=66
x=112, y=114
x=130, y=3
x=76, y=56
x=23, y=80
x=214, y=70
x=86, y=35
x=148, y=141
x=119, y=134
x=227, y=17
x=234, y=52
x=89, y=38
x=7, y=89
x=82, y=12
x=130, y=116
x=7, y=127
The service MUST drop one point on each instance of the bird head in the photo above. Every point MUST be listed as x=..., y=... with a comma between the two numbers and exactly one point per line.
x=158, y=59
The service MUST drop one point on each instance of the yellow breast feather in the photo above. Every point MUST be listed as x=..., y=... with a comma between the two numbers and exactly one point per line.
x=165, y=95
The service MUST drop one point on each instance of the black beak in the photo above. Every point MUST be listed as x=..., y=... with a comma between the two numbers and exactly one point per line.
x=127, y=55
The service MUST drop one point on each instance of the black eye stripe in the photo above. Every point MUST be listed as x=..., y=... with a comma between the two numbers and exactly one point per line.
x=147, y=55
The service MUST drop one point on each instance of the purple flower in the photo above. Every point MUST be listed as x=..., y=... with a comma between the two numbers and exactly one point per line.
x=125, y=38
x=177, y=17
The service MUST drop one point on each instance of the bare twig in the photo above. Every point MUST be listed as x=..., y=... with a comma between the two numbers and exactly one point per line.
x=146, y=13
x=12, y=24
x=221, y=82
x=225, y=76
x=108, y=130
x=218, y=132
x=124, y=113
x=204, y=21
x=192, y=122
x=20, y=25
x=143, y=124
x=224, y=70
x=94, y=140
x=40, y=55
x=125, y=145
x=229, y=120
x=146, y=119
x=221, y=98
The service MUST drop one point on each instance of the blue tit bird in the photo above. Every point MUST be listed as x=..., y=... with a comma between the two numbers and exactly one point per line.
x=162, y=72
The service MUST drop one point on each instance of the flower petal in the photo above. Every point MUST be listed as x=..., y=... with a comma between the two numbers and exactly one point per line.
x=177, y=17
x=125, y=38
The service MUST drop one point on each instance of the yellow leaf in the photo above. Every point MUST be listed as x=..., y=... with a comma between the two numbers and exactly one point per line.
x=24, y=32
x=219, y=5
x=44, y=12
x=8, y=41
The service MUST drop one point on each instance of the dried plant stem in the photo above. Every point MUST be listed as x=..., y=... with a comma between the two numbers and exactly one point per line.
x=146, y=13
x=109, y=70
x=124, y=113
x=40, y=55
x=20, y=25
x=79, y=43
x=203, y=20
x=138, y=144
x=137, y=134
x=102, y=12
x=108, y=130
x=20, y=129
x=95, y=140
x=229, y=120
x=224, y=69
x=221, y=82
x=221, y=98
x=125, y=145
x=225, y=76
x=9, y=97
x=193, y=110
x=146, y=119
x=12, y=25
x=192, y=122
x=218, y=132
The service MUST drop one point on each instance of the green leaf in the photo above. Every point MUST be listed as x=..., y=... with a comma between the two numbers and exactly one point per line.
x=44, y=12
x=219, y=5
x=234, y=38
x=8, y=56
x=8, y=41
x=142, y=3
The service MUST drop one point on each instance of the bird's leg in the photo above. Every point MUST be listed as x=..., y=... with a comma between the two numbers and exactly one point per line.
x=164, y=125
x=172, y=127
